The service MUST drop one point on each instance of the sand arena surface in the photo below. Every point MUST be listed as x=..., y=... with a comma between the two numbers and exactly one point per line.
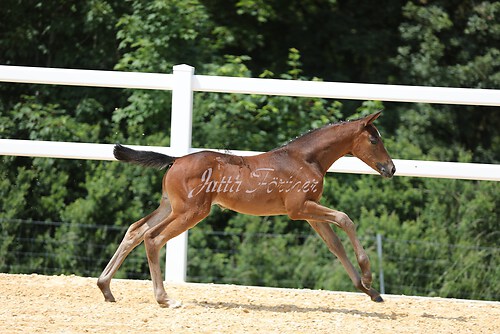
x=70, y=304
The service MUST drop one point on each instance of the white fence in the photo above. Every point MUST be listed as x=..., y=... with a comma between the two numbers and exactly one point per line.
x=183, y=83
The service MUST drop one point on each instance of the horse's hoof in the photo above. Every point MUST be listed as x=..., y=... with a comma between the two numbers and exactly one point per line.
x=106, y=292
x=170, y=303
x=108, y=297
x=378, y=299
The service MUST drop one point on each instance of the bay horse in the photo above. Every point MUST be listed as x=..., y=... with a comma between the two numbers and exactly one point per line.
x=285, y=181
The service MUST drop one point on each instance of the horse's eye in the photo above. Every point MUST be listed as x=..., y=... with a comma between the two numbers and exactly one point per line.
x=373, y=140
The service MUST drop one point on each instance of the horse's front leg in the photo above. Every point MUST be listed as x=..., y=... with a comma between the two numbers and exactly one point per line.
x=312, y=211
x=335, y=246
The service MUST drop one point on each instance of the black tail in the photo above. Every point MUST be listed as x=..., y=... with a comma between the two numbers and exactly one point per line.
x=143, y=158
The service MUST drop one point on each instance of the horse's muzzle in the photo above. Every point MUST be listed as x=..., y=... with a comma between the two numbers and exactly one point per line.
x=387, y=169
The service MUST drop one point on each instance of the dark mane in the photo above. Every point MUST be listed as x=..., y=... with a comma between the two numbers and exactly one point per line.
x=310, y=133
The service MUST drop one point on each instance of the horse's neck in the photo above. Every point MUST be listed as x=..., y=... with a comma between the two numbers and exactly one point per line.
x=326, y=145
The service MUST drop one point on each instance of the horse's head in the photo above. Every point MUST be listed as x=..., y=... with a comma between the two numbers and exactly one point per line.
x=369, y=148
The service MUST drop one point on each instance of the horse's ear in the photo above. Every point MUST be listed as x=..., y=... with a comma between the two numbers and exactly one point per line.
x=371, y=118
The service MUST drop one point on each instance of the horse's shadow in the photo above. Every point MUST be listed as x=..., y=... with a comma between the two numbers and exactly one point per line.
x=286, y=308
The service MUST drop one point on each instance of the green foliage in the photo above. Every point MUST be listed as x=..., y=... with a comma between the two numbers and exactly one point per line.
x=155, y=36
x=160, y=34
x=447, y=45
x=248, y=122
x=339, y=41
x=64, y=216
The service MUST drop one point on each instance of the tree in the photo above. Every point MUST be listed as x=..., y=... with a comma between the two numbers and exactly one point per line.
x=451, y=44
x=340, y=40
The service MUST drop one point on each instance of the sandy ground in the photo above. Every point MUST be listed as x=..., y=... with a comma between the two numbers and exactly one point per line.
x=70, y=304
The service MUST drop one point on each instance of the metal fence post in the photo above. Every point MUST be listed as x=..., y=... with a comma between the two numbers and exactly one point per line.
x=180, y=142
x=381, y=269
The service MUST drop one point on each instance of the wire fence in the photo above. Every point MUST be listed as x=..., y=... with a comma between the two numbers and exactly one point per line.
x=413, y=267
x=36, y=249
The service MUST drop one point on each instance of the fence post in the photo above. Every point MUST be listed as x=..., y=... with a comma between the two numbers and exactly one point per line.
x=180, y=142
x=381, y=269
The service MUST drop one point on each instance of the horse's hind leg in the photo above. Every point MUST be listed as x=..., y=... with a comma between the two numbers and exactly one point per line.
x=133, y=237
x=157, y=237
x=335, y=246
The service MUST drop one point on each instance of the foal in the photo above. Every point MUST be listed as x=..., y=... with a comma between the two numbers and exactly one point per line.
x=285, y=181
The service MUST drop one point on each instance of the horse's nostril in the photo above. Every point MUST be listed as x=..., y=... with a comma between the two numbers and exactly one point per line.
x=386, y=170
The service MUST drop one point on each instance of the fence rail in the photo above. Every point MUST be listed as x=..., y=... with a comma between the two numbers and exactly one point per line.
x=219, y=84
x=416, y=168
x=183, y=83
